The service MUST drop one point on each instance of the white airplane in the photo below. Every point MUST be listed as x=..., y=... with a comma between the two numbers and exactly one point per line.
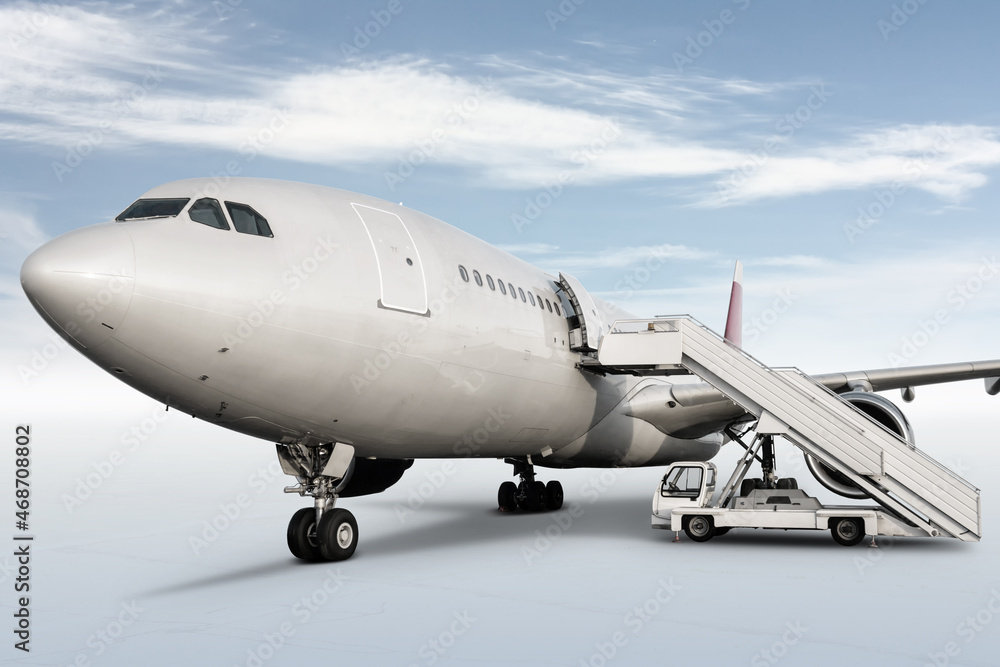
x=360, y=335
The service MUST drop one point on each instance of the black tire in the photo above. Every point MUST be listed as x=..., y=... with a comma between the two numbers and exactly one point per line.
x=788, y=483
x=507, y=497
x=302, y=540
x=529, y=496
x=553, y=495
x=538, y=499
x=338, y=534
x=699, y=528
x=719, y=532
x=847, y=531
x=747, y=487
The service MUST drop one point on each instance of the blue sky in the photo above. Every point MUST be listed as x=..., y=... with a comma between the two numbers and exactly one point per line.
x=648, y=144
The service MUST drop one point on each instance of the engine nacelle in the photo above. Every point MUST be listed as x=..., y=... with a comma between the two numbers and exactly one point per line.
x=881, y=410
x=373, y=476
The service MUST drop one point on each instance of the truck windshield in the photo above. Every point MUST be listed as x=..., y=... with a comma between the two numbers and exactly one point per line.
x=684, y=482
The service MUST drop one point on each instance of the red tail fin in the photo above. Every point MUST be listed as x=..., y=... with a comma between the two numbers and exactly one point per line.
x=734, y=323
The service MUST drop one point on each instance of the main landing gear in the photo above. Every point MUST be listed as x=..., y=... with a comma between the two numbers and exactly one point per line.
x=322, y=532
x=530, y=495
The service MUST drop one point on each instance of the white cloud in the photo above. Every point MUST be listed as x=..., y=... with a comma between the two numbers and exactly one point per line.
x=530, y=249
x=611, y=258
x=117, y=77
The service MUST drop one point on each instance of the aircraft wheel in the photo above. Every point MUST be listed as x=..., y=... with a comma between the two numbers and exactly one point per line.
x=847, y=531
x=747, y=487
x=788, y=483
x=538, y=499
x=699, y=528
x=507, y=497
x=338, y=534
x=302, y=540
x=553, y=495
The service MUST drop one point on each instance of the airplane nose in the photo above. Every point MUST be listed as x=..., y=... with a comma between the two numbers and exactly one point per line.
x=81, y=283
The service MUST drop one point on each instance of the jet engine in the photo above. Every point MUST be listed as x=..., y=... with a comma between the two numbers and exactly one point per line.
x=883, y=411
x=374, y=476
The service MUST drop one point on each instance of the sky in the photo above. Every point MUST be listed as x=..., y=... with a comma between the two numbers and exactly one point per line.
x=846, y=152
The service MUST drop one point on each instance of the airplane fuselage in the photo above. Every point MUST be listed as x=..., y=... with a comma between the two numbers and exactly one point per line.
x=361, y=322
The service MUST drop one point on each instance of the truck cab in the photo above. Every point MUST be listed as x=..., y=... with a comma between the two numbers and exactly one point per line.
x=687, y=484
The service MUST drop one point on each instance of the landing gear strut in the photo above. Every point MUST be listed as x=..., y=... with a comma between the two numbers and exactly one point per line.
x=322, y=532
x=530, y=495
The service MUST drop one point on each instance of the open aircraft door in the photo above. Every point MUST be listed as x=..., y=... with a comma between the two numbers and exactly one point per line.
x=586, y=326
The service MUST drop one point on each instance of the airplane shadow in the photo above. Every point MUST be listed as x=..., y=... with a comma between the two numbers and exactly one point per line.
x=623, y=519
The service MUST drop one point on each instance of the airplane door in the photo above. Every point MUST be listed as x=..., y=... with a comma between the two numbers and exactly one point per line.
x=585, y=336
x=401, y=274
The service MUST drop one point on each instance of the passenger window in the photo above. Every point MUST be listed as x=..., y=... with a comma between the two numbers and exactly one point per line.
x=512, y=292
x=540, y=304
x=531, y=298
x=549, y=304
x=521, y=292
x=462, y=272
x=248, y=221
x=503, y=290
x=208, y=212
x=489, y=280
x=479, y=278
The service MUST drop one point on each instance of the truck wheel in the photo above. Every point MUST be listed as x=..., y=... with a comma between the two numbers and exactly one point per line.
x=699, y=528
x=719, y=532
x=847, y=531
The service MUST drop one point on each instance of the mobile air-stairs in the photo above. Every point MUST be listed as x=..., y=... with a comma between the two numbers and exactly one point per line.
x=917, y=495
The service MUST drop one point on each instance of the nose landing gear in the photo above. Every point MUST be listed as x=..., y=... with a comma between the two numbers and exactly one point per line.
x=322, y=532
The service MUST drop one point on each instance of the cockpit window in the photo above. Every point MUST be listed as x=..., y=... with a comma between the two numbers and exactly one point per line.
x=248, y=221
x=208, y=212
x=144, y=209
